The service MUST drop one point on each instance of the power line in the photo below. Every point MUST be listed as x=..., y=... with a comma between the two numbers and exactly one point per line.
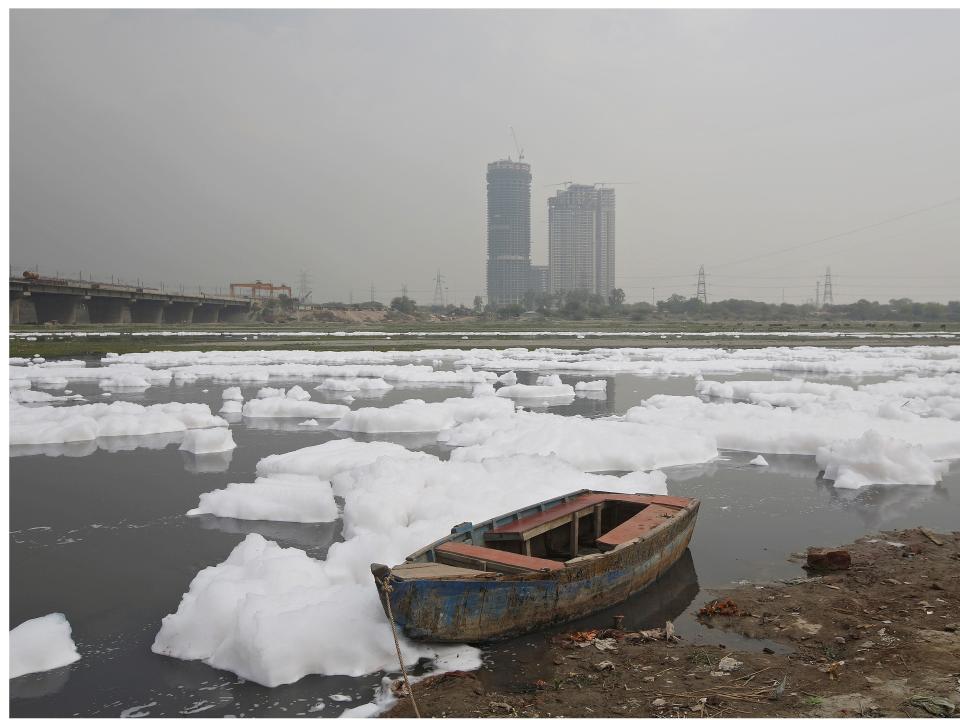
x=845, y=233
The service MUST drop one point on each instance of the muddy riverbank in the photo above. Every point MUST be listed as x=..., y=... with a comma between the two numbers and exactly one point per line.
x=881, y=638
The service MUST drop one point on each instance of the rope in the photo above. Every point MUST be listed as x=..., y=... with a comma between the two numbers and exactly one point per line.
x=385, y=584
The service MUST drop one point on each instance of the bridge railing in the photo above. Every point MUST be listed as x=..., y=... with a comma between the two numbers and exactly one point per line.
x=88, y=282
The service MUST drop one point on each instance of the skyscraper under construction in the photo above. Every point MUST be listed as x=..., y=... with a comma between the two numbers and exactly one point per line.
x=582, y=232
x=508, y=231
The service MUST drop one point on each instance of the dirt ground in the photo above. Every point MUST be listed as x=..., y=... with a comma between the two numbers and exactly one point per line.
x=879, y=639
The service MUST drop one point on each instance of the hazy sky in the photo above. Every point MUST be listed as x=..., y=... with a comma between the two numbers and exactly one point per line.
x=204, y=147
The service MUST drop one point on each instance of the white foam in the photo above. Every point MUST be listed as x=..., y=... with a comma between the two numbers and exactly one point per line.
x=535, y=392
x=549, y=380
x=285, y=407
x=232, y=393
x=36, y=396
x=590, y=445
x=592, y=386
x=34, y=425
x=765, y=428
x=330, y=458
x=297, y=393
x=873, y=459
x=231, y=407
x=208, y=440
x=416, y=415
x=280, y=497
x=355, y=385
x=40, y=644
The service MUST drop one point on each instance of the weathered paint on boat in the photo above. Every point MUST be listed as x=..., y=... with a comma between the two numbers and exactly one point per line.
x=481, y=609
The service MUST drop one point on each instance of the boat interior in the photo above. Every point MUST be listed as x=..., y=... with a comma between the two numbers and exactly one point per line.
x=549, y=536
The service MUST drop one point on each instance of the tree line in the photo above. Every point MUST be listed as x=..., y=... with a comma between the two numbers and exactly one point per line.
x=581, y=305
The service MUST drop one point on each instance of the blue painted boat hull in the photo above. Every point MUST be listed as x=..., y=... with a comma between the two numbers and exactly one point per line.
x=482, y=609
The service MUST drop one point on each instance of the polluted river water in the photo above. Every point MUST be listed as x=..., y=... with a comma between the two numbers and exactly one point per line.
x=99, y=533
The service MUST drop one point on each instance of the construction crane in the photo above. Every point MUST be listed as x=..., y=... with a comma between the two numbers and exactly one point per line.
x=519, y=149
x=567, y=183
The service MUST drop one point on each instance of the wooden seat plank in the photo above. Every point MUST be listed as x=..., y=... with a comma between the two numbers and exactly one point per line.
x=639, y=525
x=418, y=571
x=500, y=557
x=532, y=521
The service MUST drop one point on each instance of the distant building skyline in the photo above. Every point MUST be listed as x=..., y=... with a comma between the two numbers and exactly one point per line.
x=508, y=231
x=539, y=279
x=582, y=239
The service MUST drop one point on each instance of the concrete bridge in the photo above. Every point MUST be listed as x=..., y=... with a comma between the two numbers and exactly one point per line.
x=39, y=300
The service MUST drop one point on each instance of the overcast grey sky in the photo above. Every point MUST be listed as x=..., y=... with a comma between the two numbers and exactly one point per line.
x=205, y=147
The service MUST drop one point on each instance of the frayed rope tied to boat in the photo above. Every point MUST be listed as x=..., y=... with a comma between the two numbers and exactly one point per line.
x=384, y=583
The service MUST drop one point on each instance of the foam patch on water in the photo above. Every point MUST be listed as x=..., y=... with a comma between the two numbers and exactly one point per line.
x=355, y=385
x=873, y=459
x=416, y=415
x=280, y=497
x=765, y=428
x=43, y=643
x=590, y=445
x=279, y=407
x=31, y=425
x=208, y=440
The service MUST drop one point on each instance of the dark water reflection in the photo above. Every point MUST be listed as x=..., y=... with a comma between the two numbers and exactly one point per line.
x=98, y=532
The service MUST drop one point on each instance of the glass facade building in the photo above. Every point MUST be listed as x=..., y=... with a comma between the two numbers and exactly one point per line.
x=508, y=232
x=582, y=236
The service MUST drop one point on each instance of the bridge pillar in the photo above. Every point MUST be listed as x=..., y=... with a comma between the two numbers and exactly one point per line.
x=206, y=313
x=108, y=311
x=234, y=313
x=83, y=313
x=146, y=311
x=23, y=311
x=178, y=313
x=57, y=308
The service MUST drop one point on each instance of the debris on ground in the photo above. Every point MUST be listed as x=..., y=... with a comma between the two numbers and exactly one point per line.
x=875, y=649
x=827, y=559
x=941, y=707
x=726, y=606
x=729, y=664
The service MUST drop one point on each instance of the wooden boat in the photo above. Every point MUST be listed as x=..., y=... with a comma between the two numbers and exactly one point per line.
x=543, y=564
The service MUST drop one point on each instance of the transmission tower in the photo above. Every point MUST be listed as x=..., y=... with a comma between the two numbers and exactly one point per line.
x=702, y=286
x=403, y=291
x=828, y=289
x=303, y=285
x=816, y=298
x=438, y=288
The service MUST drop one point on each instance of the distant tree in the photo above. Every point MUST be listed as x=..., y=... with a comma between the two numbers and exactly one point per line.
x=478, y=304
x=510, y=311
x=617, y=296
x=640, y=311
x=403, y=305
x=287, y=303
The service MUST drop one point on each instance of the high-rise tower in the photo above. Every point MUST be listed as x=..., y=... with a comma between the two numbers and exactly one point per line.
x=582, y=230
x=508, y=231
